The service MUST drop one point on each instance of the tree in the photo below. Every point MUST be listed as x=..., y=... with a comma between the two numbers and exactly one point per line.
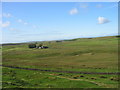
x=32, y=45
x=40, y=45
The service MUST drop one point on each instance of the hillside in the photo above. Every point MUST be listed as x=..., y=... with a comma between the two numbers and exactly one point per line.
x=82, y=54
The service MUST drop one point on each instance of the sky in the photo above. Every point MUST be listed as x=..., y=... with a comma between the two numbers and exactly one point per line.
x=42, y=21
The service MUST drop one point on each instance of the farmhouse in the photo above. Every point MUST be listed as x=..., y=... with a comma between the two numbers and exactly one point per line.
x=41, y=47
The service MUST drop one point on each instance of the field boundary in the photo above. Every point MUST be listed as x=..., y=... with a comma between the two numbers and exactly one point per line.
x=107, y=73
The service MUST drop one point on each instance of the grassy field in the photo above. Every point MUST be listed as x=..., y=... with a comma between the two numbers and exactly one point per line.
x=85, y=54
x=14, y=78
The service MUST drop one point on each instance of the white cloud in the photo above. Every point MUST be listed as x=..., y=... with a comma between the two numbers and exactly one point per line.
x=7, y=15
x=5, y=24
x=102, y=20
x=25, y=23
x=20, y=20
x=73, y=11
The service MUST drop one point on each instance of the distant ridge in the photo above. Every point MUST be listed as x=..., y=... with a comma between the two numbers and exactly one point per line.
x=5, y=44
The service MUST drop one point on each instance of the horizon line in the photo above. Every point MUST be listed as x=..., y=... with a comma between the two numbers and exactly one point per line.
x=57, y=39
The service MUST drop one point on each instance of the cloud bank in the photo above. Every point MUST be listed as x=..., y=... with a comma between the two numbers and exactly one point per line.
x=102, y=20
x=73, y=11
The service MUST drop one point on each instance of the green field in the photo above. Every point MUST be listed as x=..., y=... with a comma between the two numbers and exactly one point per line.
x=82, y=54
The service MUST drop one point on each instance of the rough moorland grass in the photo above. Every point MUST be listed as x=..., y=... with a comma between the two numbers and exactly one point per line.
x=76, y=55
x=14, y=78
x=89, y=55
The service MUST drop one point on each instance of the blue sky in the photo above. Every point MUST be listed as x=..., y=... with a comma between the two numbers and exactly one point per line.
x=39, y=21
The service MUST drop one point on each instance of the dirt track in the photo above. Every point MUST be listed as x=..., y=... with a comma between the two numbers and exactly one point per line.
x=108, y=73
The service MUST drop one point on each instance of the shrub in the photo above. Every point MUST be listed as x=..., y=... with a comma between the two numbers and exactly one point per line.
x=58, y=41
x=93, y=78
x=40, y=45
x=75, y=77
x=114, y=79
x=32, y=45
x=103, y=77
x=81, y=76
